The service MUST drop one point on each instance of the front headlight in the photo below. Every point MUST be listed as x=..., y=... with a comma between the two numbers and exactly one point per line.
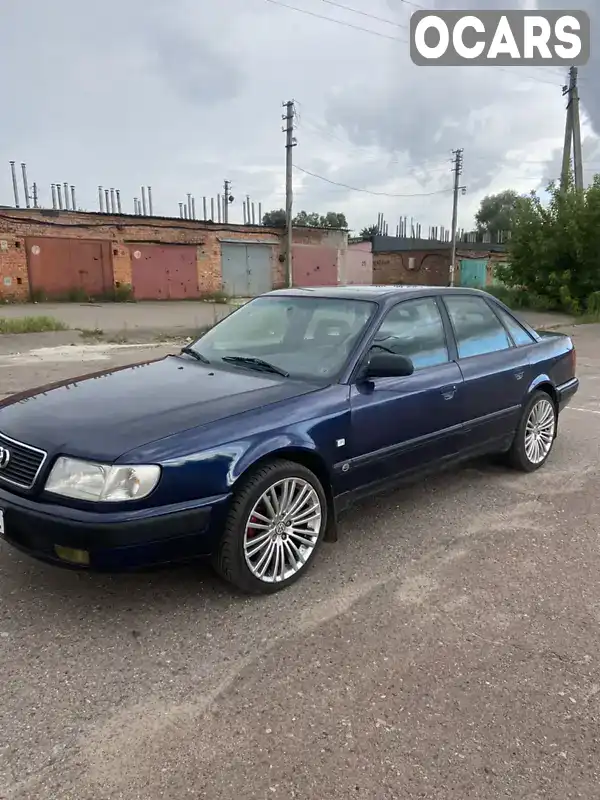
x=85, y=480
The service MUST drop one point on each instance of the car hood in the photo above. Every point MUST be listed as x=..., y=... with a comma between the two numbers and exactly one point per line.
x=106, y=414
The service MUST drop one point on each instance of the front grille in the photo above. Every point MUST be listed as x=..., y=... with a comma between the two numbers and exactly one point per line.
x=23, y=464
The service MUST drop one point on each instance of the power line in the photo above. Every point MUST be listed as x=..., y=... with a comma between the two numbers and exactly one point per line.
x=364, y=14
x=337, y=21
x=383, y=35
x=368, y=191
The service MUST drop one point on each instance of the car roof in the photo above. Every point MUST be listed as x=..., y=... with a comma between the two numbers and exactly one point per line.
x=385, y=294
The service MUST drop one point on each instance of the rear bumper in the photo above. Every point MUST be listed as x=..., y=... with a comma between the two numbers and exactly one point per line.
x=113, y=541
x=566, y=391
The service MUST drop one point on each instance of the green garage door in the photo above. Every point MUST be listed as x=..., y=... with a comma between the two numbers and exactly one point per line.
x=473, y=272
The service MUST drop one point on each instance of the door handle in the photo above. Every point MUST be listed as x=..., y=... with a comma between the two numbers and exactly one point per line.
x=519, y=374
x=448, y=392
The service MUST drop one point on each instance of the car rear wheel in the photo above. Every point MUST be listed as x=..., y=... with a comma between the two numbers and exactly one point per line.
x=536, y=433
x=274, y=527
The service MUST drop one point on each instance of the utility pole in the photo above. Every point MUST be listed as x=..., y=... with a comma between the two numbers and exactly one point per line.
x=572, y=134
x=457, y=166
x=290, y=142
x=226, y=200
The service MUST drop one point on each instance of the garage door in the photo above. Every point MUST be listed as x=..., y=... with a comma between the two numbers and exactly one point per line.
x=246, y=269
x=473, y=272
x=164, y=272
x=58, y=267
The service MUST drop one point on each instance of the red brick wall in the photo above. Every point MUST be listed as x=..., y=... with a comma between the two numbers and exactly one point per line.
x=16, y=224
x=429, y=267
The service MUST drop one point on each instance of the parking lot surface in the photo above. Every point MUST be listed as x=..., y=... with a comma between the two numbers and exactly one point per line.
x=446, y=647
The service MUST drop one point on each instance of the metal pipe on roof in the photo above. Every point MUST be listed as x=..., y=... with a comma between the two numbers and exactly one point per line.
x=150, y=205
x=25, y=184
x=260, y=216
x=219, y=208
x=59, y=193
x=35, y=195
x=73, y=203
x=181, y=210
x=245, y=215
x=107, y=201
x=119, y=209
x=53, y=192
x=253, y=214
x=67, y=202
x=193, y=208
x=144, y=207
x=15, y=185
x=100, y=200
x=212, y=209
x=204, y=208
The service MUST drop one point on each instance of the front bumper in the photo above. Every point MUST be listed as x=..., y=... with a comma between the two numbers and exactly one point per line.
x=119, y=541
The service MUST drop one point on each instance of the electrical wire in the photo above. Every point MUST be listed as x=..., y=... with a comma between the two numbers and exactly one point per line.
x=364, y=14
x=368, y=191
x=386, y=35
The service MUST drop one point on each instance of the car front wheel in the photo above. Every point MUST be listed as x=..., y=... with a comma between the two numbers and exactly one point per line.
x=536, y=433
x=274, y=527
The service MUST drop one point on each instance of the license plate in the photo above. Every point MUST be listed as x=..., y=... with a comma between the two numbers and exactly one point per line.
x=1, y=522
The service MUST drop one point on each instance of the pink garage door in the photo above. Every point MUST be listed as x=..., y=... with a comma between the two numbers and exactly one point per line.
x=164, y=272
x=314, y=265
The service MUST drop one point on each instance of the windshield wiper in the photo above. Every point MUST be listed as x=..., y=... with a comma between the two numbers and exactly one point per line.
x=256, y=363
x=189, y=351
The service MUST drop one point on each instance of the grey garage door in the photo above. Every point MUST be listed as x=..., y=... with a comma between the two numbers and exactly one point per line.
x=246, y=269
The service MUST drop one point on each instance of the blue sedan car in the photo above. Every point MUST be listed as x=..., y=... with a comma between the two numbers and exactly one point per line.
x=247, y=445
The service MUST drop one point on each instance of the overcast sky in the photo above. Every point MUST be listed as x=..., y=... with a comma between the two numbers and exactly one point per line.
x=182, y=95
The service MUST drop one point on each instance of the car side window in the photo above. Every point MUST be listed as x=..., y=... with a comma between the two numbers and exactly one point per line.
x=477, y=329
x=415, y=329
x=519, y=335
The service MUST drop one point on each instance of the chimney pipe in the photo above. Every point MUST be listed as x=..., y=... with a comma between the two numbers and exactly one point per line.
x=189, y=206
x=73, y=203
x=245, y=216
x=25, y=185
x=100, y=200
x=113, y=205
x=15, y=185
x=219, y=208
x=253, y=215
x=193, y=208
x=260, y=217
x=150, y=206
x=136, y=204
x=59, y=193
x=204, y=208
x=66, y=188
x=54, y=201
x=35, y=195
x=181, y=210
x=212, y=209
x=144, y=207
x=186, y=212
x=106, y=201
x=119, y=209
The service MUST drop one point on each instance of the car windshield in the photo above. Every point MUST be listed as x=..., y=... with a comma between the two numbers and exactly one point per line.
x=301, y=337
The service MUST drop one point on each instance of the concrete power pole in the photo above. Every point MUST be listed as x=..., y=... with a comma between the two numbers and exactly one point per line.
x=457, y=165
x=572, y=134
x=290, y=142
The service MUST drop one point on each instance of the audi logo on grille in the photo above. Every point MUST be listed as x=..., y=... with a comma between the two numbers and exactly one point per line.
x=4, y=457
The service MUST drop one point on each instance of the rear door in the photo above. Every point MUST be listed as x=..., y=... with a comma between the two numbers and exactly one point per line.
x=408, y=423
x=494, y=370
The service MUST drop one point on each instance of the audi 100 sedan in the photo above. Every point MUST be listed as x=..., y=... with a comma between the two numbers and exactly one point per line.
x=246, y=446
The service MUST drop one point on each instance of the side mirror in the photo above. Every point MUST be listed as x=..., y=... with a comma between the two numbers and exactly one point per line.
x=388, y=365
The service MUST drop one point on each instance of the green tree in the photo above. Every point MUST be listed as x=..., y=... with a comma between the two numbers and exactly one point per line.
x=332, y=219
x=371, y=230
x=554, y=250
x=274, y=219
x=496, y=212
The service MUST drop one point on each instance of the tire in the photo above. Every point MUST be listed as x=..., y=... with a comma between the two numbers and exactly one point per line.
x=525, y=455
x=251, y=530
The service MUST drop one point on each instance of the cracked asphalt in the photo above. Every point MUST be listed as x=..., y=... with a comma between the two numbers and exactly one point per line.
x=446, y=647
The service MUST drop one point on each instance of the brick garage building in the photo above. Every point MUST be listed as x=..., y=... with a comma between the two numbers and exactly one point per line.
x=424, y=262
x=62, y=254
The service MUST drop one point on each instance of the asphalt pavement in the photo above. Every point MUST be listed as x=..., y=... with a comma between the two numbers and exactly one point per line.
x=446, y=647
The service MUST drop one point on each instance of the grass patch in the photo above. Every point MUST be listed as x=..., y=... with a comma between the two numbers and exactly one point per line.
x=31, y=325
x=91, y=333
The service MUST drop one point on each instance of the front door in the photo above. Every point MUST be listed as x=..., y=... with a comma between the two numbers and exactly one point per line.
x=404, y=424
